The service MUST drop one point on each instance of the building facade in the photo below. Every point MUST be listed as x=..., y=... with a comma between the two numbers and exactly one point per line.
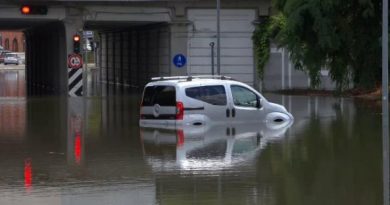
x=12, y=40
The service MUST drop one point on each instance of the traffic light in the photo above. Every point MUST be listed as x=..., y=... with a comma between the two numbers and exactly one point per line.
x=33, y=10
x=76, y=43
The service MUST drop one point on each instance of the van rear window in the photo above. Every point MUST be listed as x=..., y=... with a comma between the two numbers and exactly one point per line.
x=162, y=95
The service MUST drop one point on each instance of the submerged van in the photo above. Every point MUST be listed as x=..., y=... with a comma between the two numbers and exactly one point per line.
x=201, y=100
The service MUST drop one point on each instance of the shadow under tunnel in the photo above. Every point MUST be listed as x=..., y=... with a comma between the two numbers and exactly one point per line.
x=128, y=55
x=45, y=59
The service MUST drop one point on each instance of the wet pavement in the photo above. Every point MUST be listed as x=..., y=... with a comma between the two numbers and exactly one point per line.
x=330, y=155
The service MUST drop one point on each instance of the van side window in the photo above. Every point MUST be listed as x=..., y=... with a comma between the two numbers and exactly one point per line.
x=213, y=94
x=194, y=92
x=162, y=95
x=243, y=96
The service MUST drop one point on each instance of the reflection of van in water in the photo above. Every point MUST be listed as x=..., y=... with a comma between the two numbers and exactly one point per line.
x=212, y=147
x=201, y=100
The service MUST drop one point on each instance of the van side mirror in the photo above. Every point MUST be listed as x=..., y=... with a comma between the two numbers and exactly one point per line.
x=258, y=103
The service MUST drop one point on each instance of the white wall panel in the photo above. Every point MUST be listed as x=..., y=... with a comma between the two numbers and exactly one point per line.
x=234, y=52
x=225, y=61
x=228, y=69
x=236, y=42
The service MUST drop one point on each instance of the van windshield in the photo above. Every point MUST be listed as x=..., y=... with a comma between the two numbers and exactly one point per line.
x=162, y=95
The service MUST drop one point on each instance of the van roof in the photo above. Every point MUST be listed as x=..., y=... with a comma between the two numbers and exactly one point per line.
x=178, y=79
x=188, y=80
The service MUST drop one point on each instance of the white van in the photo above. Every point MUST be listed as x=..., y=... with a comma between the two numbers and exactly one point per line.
x=201, y=100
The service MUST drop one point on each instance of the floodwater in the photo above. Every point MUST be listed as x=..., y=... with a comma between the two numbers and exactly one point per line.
x=55, y=150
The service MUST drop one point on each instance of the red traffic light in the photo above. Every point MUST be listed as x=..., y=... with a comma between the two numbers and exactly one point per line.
x=25, y=9
x=76, y=38
x=76, y=43
x=33, y=10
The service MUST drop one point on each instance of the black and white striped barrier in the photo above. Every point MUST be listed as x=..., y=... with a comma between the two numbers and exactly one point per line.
x=75, y=82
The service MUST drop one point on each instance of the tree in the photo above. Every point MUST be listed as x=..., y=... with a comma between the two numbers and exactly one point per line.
x=343, y=36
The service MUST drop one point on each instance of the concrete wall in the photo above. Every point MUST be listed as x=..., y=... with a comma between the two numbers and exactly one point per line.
x=131, y=56
x=12, y=40
x=236, y=43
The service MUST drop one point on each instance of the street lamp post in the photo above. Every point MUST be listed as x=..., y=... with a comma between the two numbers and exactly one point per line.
x=212, y=57
x=218, y=38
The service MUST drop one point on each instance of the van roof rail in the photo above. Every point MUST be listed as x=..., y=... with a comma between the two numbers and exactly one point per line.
x=189, y=78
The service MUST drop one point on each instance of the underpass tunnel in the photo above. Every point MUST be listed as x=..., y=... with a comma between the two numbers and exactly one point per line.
x=139, y=47
x=135, y=42
x=129, y=57
x=46, y=44
x=45, y=51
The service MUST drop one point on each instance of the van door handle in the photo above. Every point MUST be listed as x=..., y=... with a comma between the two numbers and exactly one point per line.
x=233, y=112
x=227, y=113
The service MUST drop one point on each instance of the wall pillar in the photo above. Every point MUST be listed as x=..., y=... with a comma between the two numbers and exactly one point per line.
x=178, y=45
x=74, y=25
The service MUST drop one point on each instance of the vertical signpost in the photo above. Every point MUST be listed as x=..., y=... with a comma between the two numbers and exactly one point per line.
x=218, y=38
x=385, y=102
x=75, y=71
x=75, y=74
x=212, y=57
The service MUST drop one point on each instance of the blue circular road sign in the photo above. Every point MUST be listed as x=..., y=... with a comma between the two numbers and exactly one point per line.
x=179, y=60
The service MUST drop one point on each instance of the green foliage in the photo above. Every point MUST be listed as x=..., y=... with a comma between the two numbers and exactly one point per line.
x=265, y=31
x=342, y=36
x=261, y=38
